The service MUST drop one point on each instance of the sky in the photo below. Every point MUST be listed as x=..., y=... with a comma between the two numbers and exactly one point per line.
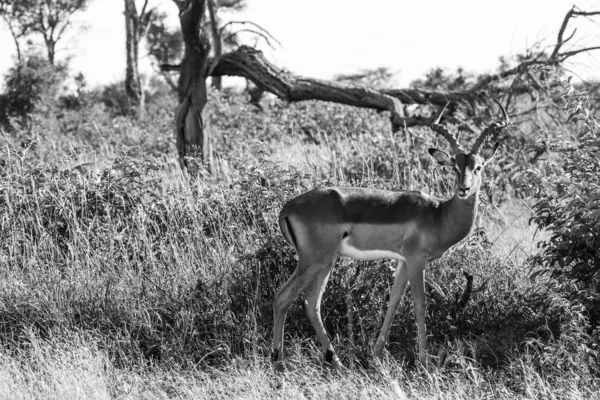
x=322, y=38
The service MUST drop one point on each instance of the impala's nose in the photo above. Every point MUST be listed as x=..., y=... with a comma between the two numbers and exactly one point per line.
x=463, y=191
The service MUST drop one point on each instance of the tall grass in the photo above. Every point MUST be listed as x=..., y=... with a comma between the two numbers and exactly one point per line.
x=128, y=280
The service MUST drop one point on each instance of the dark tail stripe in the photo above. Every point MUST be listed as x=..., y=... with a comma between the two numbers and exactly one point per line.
x=291, y=232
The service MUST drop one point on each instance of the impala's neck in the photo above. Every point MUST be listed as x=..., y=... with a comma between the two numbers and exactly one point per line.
x=458, y=217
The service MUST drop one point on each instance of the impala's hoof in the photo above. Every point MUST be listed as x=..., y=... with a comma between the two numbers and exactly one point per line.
x=332, y=361
x=278, y=366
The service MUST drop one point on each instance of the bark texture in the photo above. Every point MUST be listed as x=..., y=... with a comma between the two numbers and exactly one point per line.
x=136, y=28
x=133, y=87
x=190, y=131
x=251, y=64
x=216, y=41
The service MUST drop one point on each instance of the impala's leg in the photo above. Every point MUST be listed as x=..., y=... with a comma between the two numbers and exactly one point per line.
x=312, y=302
x=304, y=274
x=395, y=296
x=416, y=273
x=281, y=304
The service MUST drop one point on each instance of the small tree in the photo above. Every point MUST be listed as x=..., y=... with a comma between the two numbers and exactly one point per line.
x=11, y=14
x=165, y=45
x=136, y=28
x=49, y=19
x=216, y=28
x=28, y=83
x=189, y=123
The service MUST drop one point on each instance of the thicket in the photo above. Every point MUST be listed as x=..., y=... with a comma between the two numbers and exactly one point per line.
x=167, y=269
x=565, y=183
x=29, y=85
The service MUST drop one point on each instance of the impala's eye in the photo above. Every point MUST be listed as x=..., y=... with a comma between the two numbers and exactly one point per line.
x=478, y=169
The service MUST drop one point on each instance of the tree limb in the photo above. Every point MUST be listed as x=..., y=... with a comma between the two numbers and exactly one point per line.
x=586, y=13
x=561, y=31
x=567, y=54
x=255, y=32
x=251, y=64
x=265, y=33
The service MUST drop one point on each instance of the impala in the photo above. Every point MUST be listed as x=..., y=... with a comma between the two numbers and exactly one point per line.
x=370, y=224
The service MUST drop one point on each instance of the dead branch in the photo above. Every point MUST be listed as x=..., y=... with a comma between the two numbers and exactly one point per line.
x=251, y=64
x=265, y=33
x=567, y=54
x=561, y=31
x=254, y=32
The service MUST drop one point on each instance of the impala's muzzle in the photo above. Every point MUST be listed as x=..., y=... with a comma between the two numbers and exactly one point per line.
x=463, y=192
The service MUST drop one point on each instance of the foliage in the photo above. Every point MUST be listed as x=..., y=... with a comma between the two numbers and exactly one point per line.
x=114, y=97
x=113, y=257
x=48, y=18
x=164, y=44
x=566, y=187
x=377, y=78
x=443, y=80
x=33, y=82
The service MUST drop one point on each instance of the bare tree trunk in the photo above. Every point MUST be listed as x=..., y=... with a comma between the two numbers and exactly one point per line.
x=15, y=38
x=190, y=130
x=216, y=81
x=51, y=46
x=133, y=87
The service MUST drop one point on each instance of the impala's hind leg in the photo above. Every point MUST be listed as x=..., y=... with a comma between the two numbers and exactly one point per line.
x=281, y=304
x=396, y=295
x=312, y=303
x=304, y=274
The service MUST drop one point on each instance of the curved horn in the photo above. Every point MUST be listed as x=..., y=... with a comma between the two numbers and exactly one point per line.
x=443, y=131
x=494, y=128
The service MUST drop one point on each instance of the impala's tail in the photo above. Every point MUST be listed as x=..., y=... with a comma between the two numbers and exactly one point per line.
x=287, y=230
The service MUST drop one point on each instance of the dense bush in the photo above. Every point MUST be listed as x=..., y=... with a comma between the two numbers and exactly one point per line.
x=185, y=273
x=566, y=188
x=33, y=82
x=179, y=271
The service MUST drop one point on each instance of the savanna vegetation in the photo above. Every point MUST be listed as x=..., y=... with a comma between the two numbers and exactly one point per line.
x=124, y=276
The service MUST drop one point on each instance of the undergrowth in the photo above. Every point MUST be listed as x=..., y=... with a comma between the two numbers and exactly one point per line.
x=142, y=268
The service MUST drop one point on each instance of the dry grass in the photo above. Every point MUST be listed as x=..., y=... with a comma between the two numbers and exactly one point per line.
x=77, y=369
x=104, y=269
x=508, y=227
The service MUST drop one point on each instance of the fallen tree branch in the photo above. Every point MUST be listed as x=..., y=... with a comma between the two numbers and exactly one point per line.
x=251, y=64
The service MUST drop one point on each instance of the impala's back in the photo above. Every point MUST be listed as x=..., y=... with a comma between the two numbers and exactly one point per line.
x=365, y=224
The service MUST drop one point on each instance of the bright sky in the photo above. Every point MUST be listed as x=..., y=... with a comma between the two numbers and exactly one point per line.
x=321, y=38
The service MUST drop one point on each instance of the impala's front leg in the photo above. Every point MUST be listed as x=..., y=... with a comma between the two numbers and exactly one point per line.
x=416, y=273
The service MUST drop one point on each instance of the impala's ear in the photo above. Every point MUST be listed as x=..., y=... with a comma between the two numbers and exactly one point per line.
x=488, y=155
x=442, y=157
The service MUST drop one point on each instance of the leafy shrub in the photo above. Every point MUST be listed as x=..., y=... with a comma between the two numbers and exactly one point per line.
x=28, y=84
x=113, y=96
x=444, y=80
x=566, y=187
x=182, y=271
x=186, y=274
